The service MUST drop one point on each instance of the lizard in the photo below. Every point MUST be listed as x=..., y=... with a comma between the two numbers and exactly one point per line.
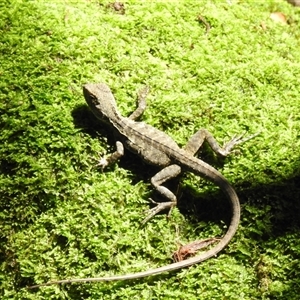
x=157, y=148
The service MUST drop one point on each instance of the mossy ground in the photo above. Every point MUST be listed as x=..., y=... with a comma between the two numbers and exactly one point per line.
x=61, y=217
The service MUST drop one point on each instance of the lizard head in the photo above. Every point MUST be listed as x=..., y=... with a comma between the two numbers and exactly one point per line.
x=101, y=101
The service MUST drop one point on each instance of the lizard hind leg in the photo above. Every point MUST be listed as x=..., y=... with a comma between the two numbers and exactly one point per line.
x=157, y=180
x=197, y=140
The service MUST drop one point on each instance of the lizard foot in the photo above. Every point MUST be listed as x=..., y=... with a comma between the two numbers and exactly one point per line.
x=236, y=140
x=102, y=162
x=158, y=208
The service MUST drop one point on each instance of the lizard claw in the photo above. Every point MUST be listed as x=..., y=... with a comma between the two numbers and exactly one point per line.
x=236, y=140
x=102, y=162
x=158, y=208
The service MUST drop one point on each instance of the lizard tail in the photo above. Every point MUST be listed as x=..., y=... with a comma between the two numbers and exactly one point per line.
x=231, y=194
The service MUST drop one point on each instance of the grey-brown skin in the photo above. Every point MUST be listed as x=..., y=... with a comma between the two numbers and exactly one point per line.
x=157, y=148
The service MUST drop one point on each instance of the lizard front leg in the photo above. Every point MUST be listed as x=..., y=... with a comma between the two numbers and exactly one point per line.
x=157, y=180
x=141, y=104
x=105, y=161
x=196, y=141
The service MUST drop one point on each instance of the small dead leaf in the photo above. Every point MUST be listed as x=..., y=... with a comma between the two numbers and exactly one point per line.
x=278, y=17
x=190, y=249
x=118, y=7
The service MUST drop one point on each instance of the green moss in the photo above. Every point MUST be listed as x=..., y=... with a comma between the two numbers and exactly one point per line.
x=61, y=217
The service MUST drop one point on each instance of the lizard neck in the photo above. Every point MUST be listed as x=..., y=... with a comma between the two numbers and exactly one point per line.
x=112, y=116
x=105, y=111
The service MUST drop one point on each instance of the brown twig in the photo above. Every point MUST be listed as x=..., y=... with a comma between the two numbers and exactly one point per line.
x=202, y=19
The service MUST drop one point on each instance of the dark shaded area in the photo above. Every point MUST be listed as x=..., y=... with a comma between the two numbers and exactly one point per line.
x=7, y=167
x=284, y=201
x=87, y=122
